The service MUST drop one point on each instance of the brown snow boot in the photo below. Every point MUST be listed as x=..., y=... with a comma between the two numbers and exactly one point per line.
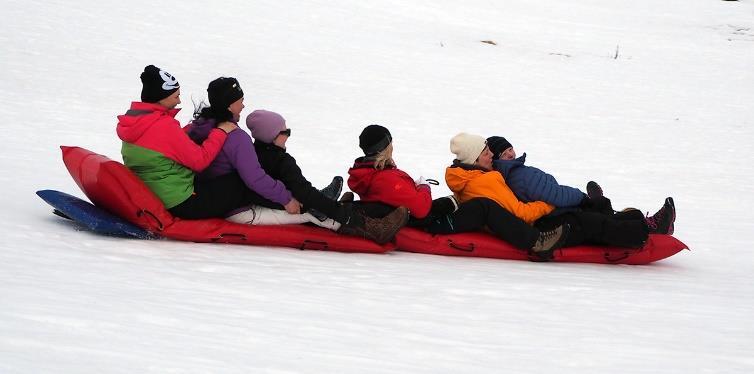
x=380, y=230
x=347, y=197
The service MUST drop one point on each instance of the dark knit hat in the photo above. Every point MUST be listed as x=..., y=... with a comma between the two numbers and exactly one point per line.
x=223, y=91
x=373, y=139
x=497, y=145
x=157, y=84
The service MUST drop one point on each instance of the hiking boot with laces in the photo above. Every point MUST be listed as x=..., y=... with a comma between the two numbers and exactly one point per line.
x=549, y=241
x=332, y=191
x=663, y=221
x=378, y=230
x=593, y=190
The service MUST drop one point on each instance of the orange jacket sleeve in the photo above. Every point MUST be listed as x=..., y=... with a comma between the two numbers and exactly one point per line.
x=492, y=185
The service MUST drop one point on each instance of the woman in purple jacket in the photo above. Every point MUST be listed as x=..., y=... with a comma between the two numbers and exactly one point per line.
x=238, y=155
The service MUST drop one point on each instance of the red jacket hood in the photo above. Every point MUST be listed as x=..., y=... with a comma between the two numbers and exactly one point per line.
x=138, y=119
x=360, y=177
x=390, y=186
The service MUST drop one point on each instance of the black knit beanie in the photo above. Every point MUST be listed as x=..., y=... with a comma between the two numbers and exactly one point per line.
x=157, y=84
x=374, y=139
x=497, y=145
x=223, y=91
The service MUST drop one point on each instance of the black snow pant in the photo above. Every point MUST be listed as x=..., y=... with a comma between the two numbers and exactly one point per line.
x=598, y=204
x=218, y=196
x=622, y=229
x=473, y=215
x=312, y=198
x=213, y=198
x=478, y=213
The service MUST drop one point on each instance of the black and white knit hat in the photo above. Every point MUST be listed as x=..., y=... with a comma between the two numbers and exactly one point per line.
x=157, y=84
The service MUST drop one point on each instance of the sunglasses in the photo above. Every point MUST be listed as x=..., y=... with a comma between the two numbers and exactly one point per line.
x=286, y=132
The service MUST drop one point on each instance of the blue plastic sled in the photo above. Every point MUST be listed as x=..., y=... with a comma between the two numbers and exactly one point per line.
x=91, y=216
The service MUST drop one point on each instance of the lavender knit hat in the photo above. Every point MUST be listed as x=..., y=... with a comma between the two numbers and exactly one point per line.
x=265, y=125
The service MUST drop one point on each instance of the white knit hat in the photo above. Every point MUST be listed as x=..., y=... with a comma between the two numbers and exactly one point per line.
x=467, y=147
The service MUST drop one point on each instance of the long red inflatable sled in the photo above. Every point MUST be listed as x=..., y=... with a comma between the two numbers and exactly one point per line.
x=110, y=185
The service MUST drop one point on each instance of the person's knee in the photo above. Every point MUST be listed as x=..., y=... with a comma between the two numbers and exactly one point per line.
x=483, y=205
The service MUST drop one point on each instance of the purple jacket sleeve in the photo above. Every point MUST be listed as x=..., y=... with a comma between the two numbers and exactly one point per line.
x=240, y=151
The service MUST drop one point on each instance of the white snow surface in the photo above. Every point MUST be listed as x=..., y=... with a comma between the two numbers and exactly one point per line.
x=650, y=98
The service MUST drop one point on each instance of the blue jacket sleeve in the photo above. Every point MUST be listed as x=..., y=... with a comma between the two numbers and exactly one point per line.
x=532, y=184
x=562, y=196
x=544, y=187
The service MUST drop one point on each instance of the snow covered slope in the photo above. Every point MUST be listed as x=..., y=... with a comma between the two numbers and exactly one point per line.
x=649, y=98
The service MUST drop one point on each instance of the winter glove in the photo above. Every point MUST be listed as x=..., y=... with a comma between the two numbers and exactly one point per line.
x=427, y=181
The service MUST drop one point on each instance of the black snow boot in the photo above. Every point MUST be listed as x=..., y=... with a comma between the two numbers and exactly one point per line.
x=332, y=192
x=593, y=190
x=663, y=221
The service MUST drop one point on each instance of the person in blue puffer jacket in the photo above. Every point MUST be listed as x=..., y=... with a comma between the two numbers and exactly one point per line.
x=532, y=184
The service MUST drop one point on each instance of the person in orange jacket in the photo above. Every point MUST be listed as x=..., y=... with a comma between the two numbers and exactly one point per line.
x=471, y=175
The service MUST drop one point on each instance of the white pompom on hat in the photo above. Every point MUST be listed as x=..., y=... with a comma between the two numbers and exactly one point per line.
x=467, y=147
